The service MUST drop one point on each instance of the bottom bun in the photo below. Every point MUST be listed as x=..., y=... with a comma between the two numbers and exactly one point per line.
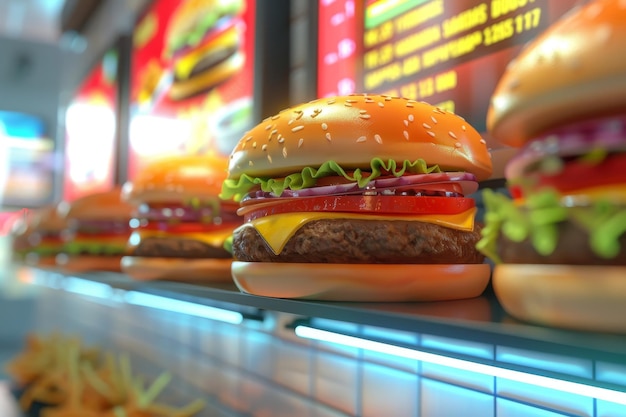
x=177, y=269
x=575, y=297
x=88, y=263
x=362, y=282
x=42, y=261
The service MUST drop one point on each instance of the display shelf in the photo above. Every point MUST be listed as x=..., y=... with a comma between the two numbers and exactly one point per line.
x=480, y=319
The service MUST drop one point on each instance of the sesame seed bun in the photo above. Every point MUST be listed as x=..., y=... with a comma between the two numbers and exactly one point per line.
x=352, y=130
x=177, y=178
x=98, y=206
x=574, y=69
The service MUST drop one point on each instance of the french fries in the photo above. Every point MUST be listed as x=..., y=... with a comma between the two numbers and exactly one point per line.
x=72, y=380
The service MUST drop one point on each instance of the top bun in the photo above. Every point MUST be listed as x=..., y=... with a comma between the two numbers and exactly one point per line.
x=352, y=130
x=177, y=179
x=98, y=206
x=47, y=219
x=575, y=69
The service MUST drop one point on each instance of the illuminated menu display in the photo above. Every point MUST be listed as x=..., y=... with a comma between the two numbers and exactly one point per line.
x=192, y=79
x=90, y=152
x=448, y=53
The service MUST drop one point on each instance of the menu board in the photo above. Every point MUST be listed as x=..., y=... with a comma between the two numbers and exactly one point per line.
x=27, y=161
x=192, y=79
x=448, y=53
x=90, y=131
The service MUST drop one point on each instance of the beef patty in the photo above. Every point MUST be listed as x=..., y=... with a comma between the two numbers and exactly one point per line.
x=363, y=241
x=572, y=248
x=178, y=248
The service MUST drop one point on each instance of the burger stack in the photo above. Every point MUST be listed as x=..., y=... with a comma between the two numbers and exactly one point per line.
x=560, y=244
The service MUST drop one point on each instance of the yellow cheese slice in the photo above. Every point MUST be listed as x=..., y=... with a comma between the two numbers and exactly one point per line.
x=215, y=238
x=615, y=193
x=277, y=229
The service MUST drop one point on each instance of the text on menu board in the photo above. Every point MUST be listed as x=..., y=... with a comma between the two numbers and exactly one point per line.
x=410, y=50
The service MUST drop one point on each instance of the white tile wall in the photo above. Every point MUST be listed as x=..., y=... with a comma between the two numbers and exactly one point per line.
x=389, y=392
x=263, y=369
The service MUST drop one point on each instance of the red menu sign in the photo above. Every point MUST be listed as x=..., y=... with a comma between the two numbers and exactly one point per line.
x=90, y=124
x=448, y=53
x=191, y=80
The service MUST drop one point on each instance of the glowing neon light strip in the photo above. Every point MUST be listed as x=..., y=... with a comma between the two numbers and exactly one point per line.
x=537, y=380
x=184, y=307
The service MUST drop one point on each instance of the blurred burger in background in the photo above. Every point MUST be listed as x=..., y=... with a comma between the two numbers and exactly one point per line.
x=36, y=236
x=180, y=225
x=97, y=232
x=203, y=42
x=560, y=243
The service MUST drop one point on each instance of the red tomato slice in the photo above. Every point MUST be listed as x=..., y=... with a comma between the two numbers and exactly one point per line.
x=187, y=227
x=577, y=174
x=383, y=205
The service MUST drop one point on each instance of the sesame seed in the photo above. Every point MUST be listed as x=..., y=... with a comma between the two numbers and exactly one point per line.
x=275, y=117
x=433, y=119
x=378, y=139
x=264, y=147
x=324, y=126
x=268, y=127
x=284, y=152
x=362, y=111
x=290, y=122
x=300, y=142
x=254, y=145
x=458, y=145
x=269, y=158
x=412, y=101
x=299, y=114
x=452, y=135
x=347, y=104
x=297, y=128
x=406, y=123
x=381, y=104
x=409, y=104
x=361, y=139
x=365, y=116
x=431, y=133
x=316, y=112
x=249, y=138
x=411, y=117
x=427, y=126
x=406, y=135
x=328, y=138
x=332, y=101
x=250, y=163
x=281, y=139
x=351, y=101
x=514, y=83
x=483, y=141
x=463, y=127
x=387, y=98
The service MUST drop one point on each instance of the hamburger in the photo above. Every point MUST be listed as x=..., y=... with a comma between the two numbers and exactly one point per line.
x=180, y=225
x=203, y=41
x=37, y=237
x=360, y=197
x=97, y=232
x=560, y=242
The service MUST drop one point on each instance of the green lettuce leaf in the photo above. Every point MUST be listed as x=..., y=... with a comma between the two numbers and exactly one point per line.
x=538, y=220
x=237, y=188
